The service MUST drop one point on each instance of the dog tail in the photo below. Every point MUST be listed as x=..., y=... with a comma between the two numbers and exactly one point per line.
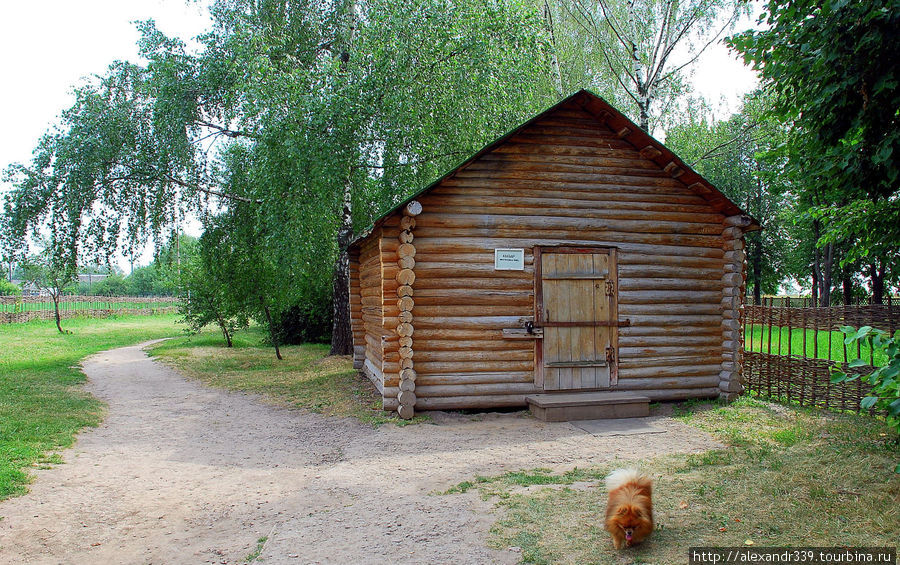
x=620, y=477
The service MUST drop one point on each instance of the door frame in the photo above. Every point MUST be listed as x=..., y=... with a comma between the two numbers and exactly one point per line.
x=538, y=252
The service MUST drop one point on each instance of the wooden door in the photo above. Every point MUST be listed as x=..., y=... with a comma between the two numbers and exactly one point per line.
x=576, y=308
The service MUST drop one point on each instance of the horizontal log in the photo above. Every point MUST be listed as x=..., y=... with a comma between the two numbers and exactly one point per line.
x=628, y=285
x=473, y=185
x=685, y=341
x=709, y=357
x=433, y=367
x=435, y=345
x=469, y=285
x=521, y=222
x=654, y=297
x=441, y=333
x=406, y=263
x=561, y=208
x=619, y=159
x=662, y=383
x=405, y=317
x=406, y=411
x=407, y=385
x=629, y=178
x=473, y=270
x=434, y=391
x=478, y=402
x=628, y=271
x=713, y=308
x=674, y=394
x=406, y=397
x=413, y=208
x=405, y=237
x=465, y=379
x=564, y=234
x=688, y=329
x=469, y=323
x=675, y=320
x=477, y=355
x=407, y=223
x=406, y=250
x=406, y=304
x=423, y=311
x=711, y=371
x=457, y=297
x=405, y=290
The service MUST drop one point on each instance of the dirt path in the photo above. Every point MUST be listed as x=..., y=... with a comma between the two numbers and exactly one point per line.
x=181, y=473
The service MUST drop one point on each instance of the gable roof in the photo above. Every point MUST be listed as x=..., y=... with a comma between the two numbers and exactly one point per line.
x=607, y=116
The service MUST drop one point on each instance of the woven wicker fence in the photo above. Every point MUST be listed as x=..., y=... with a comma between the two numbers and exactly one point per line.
x=15, y=309
x=789, y=351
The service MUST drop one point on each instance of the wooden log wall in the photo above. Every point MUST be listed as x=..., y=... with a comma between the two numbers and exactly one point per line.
x=564, y=180
x=734, y=277
x=371, y=309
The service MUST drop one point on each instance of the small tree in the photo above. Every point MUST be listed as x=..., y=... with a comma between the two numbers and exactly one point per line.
x=9, y=289
x=204, y=283
x=51, y=273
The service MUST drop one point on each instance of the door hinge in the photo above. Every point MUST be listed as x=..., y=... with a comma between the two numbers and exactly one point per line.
x=610, y=288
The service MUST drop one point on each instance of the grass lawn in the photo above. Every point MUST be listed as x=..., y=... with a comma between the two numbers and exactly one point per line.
x=819, y=345
x=307, y=378
x=42, y=405
x=789, y=477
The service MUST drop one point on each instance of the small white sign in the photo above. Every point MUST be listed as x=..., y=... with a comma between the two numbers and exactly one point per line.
x=509, y=259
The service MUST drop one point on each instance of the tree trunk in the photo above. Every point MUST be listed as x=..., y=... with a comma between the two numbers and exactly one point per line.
x=55, y=297
x=825, y=287
x=555, y=72
x=225, y=333
x=272, y=335
x=876, y=276
x=815, y=277
x=341, y=334
x=847, y=288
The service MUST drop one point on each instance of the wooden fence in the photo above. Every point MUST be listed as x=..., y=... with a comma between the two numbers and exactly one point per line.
x=790, y=348
x=15, y=309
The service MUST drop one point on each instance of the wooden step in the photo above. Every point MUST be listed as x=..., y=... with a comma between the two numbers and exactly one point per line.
x=565, y=406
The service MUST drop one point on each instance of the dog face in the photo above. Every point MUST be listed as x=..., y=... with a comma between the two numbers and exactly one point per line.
x=632, y=523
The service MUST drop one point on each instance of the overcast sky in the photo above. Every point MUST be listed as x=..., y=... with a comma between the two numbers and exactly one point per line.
x=48, y=46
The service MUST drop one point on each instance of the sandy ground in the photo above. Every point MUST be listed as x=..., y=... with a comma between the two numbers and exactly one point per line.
x=182, y=473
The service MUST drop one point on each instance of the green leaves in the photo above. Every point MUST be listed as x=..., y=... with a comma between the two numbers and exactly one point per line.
x=885, y=393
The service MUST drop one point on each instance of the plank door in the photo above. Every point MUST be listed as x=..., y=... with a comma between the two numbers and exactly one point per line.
x=577, y=311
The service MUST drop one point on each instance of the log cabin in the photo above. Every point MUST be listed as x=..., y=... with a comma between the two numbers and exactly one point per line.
x=574, y=262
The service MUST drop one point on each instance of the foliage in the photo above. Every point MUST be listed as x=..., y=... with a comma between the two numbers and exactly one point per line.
x=207, y=295
x=641, y=51
x=885, y=380
x=113, y=285
x=9, y=289
x=304, y=115
x=831, y=68
x=738, y=157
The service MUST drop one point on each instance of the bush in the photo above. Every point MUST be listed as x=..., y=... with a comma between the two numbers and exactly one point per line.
x=885, y=380
x=9, y=289
x=307, y=322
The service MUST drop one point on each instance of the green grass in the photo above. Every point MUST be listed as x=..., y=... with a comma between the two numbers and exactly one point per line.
x=307, y=377
x=788, y=476
x=819, y=345
x=42, y=405
x=254, y=555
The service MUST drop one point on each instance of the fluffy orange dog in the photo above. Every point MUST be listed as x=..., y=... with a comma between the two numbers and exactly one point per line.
x=629, y=512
